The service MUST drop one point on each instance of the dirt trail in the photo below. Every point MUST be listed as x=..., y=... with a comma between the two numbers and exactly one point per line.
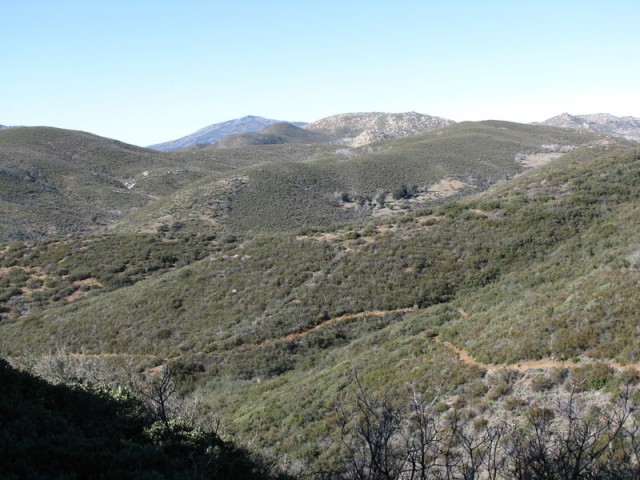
x=526, y=365
x=342, y=318
x=110, y=355
x=351, y=316
x=462, y=354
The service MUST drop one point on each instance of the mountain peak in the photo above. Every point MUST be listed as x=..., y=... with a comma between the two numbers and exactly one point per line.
x=213, y=133
x=356, y=129
x=625, y=127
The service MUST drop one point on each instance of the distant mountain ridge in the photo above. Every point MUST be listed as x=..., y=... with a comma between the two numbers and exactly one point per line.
x=625, y=127
x=357, y=129
x=352, y=129
x=275, y=134
x=217, y=131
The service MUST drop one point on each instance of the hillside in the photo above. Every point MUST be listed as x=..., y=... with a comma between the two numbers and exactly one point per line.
x=204, y=205
x=271, y=328
x=217, y=131
x=357, y=129
x=624, y=127
x=501, y=210
x=58, y=182
x=276, y=133
x=55, y=182
x=346, y=185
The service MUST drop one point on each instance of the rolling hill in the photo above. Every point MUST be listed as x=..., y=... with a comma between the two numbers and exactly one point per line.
x=345, y=185
x=491, y=268
x=56, y=182
x=217, y=131
x=276, y=133
x=353, y=129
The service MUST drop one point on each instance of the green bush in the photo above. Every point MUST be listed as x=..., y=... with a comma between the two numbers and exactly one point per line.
x=594, y=376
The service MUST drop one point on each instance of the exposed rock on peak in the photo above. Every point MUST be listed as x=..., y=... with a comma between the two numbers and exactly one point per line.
x=356, y=129
x=625, y=127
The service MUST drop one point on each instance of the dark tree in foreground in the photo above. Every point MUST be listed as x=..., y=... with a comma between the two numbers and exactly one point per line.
x=84, y=431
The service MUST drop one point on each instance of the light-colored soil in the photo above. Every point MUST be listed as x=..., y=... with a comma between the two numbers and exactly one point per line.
x=87, y=281
x=327, y=237
x=343, y=318
x=539, y=159
x=109, y=355
x=525, y=365
x=446, y=187
x=464, y=356
x=79, y=293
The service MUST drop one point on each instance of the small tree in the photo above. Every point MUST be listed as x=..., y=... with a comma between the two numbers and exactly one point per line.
x=372, y=434
x=157, y=393
x=405, y=192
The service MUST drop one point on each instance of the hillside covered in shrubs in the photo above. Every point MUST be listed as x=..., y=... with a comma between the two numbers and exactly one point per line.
x=345, y=318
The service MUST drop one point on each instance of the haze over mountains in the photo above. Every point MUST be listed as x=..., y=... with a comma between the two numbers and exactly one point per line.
x=217, y=131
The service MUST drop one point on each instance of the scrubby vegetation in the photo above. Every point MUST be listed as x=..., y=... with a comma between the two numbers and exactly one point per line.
x=275, y=134
x=268, y=286
x=48, y=273
x=287, y=196
x=57, y=182
x=418, y=440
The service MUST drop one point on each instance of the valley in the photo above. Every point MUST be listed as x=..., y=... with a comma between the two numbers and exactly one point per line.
x=287, y=275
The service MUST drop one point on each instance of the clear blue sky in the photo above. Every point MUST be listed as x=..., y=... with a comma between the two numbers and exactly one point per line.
x=147, y=71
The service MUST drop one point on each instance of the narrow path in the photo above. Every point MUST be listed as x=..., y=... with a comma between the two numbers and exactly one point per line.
x=526, y=365
x=110, y=355
x=343, y=318
x=465, y=357
x=330, y=321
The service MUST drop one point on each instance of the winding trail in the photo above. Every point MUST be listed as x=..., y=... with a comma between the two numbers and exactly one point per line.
x=527, y=365
x=463, y=356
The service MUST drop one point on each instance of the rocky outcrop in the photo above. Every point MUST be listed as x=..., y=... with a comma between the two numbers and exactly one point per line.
x=625, y=127
x=356, y=129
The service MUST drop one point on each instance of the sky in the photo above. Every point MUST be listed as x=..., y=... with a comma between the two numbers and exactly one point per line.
x=149, y=71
